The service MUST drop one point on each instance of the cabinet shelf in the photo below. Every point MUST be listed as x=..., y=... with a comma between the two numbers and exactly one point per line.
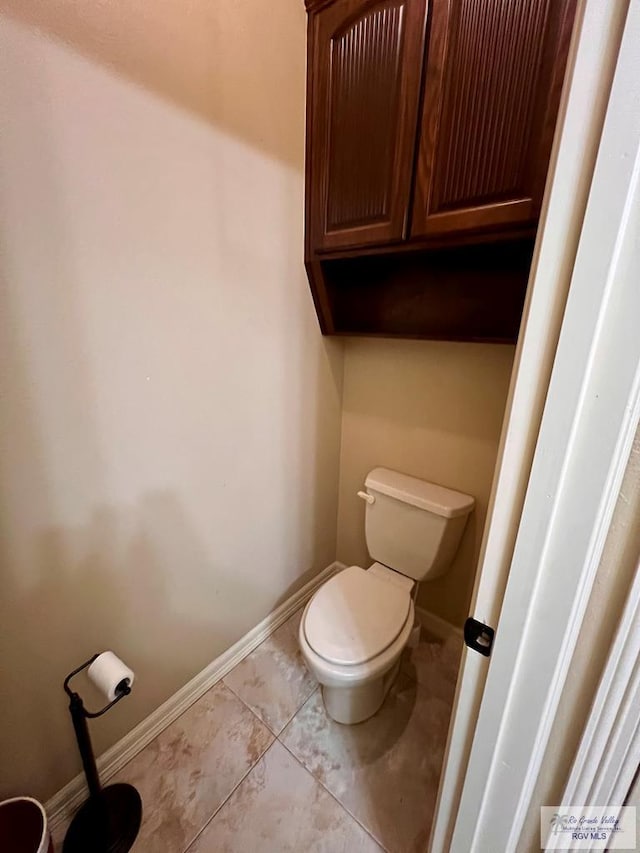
x=475, y=293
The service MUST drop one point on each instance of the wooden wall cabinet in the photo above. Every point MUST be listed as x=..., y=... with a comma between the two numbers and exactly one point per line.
x=366, y=84
x=429, y=131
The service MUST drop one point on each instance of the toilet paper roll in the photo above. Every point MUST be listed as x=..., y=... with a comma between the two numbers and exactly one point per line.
x=108, y=672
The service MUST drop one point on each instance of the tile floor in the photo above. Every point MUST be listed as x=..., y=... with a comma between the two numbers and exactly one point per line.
x=256, y=766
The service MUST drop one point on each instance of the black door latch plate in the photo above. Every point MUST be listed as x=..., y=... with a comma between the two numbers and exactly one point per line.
x=478, y=636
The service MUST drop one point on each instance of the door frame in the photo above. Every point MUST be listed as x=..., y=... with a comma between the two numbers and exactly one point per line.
x=607, y=759
x=590, y=417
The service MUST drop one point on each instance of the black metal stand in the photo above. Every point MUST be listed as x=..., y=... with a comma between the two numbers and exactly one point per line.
x=110, y=819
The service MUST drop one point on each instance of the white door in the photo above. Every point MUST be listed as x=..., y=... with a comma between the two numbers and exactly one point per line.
x=497, y=734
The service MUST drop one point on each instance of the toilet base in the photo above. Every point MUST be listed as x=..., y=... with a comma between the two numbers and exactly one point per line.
x=350, y=705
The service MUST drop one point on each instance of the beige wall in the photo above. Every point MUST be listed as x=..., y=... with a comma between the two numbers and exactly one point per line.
x=429, y=409
x=171, y=429
x=171, y=415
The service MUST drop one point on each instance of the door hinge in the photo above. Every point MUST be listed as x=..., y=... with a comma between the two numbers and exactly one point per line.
x=478, y=636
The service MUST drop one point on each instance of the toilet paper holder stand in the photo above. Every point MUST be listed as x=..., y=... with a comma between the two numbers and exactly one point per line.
x=108, y=822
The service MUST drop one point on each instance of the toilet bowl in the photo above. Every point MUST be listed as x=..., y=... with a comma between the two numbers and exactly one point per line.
x=355, y=627
x=352, y=635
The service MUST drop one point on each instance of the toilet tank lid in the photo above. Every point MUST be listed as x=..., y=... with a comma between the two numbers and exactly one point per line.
x=437, y=499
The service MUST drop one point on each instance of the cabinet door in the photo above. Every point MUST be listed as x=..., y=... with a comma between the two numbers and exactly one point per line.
x=492, y=89
x=365, y=72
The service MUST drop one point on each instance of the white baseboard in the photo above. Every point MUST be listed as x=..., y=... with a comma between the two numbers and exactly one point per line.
x=437, y=626
x=62, y=805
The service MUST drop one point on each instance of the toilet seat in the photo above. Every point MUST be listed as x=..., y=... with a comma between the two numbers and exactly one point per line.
x=355, y=616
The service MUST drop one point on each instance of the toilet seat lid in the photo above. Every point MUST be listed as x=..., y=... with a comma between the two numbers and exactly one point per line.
x=355, y=616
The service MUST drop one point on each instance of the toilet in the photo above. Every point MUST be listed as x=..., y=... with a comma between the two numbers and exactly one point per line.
x=355, y=627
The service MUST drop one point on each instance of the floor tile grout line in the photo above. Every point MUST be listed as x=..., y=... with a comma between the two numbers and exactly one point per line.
x=230, y=794
x=264, y=722
x=308, y=699
x=319, y=781
x=333, y=796
x=215, y=684
x=251, y=767
x=255, y=714
x=276, y=737
x=323, y=785
x=218, y=683
x=298, y=709
x=249, y=708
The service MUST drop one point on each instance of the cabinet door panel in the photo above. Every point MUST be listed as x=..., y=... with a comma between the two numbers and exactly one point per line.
x=364, y=94
x=492, y=88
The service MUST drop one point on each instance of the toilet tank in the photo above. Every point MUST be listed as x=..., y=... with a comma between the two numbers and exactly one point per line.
x=413, y=526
